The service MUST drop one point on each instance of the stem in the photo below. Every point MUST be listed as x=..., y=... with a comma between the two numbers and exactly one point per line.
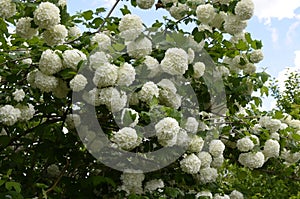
x=108, y=15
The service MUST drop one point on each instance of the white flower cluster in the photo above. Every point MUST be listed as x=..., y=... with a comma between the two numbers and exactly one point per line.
x=190, y=164
x=46, y=15
x=245, y=144
x=9, y=115
x=24, y=29
x=7, y=8
x=44, y=82
x=126, y=75
x=55, y=35
x=271, y=148
x=126, y=138
x=50, y=62
x=256, y=56
x=166, y=131
x=78, y=83
x=19, y=95
x=153, y=185
x=139, y=48
x=178, y=11
x=204, y=194
x=106, y=75
x=233, y=25
x=98, y=59
x=196, y=144
x=205, y=158
x=145, y=4
x=113, y=99
x=148, y=91
x=27, y=112
x=152, y=65
x=132, y=181
x=252, y=159
x=102, y=40
x=199, y=68
x=175, y=61
x=271, y=124
x=53, y=171
x=236, y=195
x=74, y=32
x=168, y=94
x=216, y=148
x=221, y=196
x=191, y=125
x=207, y=175
x=289, y=156
x=130, y=112
x=130, y=26
x=244, y=9
x=71, y=58
x=205, y=13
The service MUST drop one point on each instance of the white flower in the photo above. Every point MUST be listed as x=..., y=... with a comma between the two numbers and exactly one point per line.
x=271, y=124
x=78, y=83
x=206, y=194
x=205, y=158
x=218, y=196
x=205, y=13
x=27, y=112
x=62, y=3
x=244, y=9
x=289, y=156
x=71, y=58
x=7, y=9
x=19, y=95
x=196, y=144
x=127, y=114
x=139, y=48
x=53, y=170
x=50, y=62
x=74, y=32
x=102, y=40
x=46, y=15
x=126, y=75
x=92, y=97
x=98, y=59
x=216, y=148
x=191, y=125
x=191, y=55
x=166, y=131
x=294, y=123
x=132, y=181
x=167, y=84
x=165, y=2
x=183, y=138
x=9, y=115
x=207, y=175
x=167, y=94
x=175, y=61
x=236, y=195
x=126, y=138
x=218, y=20
x=256, y=56
x=148, y=91
x=55, y=35
x=23, y=28
x=190, y=164
x=152, y=65
x=44, y=82
x=199, y=69
x=271, y=148
x=275, y=136
x=249, y=69
x=233, y=25
x=31, y=78
x=27, y=61
x=252, y=160
x=223, y=71
x=194, y=3
x=130, y=27
x=106, y=75
x=217, y=161
x=113, y=99
x=178, y=11
x=245, y=144
x=62, y=89
x=145, y=4
x=153, y=185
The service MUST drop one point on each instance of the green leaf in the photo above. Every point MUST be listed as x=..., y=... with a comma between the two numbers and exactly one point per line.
x=2, y=182
x=125, y=10
x=10, y=185
x=87, y=15
x=296, y=137
x=264, y=90
x=241, y=45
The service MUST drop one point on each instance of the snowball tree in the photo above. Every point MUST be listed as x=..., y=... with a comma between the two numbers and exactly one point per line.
x=122, y=110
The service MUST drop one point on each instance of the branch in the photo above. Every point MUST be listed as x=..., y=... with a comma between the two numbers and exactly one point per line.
x=108, y=15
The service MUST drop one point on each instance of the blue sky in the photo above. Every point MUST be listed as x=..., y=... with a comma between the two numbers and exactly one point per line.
x=276, y=23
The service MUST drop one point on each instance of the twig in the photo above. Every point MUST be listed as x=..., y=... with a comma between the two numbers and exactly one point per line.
x=108, y=15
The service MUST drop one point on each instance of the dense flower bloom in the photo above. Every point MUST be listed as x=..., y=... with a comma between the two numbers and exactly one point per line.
x=44, y=82
x=9, y=115
x=244, y=9
x=78, y=83
x=191, y=125
x=98, y=59
x=50, y=62
x=130, y=26
x=167, y=94
x=249, y=69
x=289, y=156
x=217, y=162
x=178, y=11
x=19, y=95
x=126, y=117
x=165, y=2
x=27, y=112
x=106, y=75
x=153, y=185
x=145, y=4
x=74, y=32
x=199, y=69
x=206, y=194
x=62, y=3
x=23, y=28
x=252, y=160
x=236, y=195
x=256, y=56
x=46, y=15
x=113, y=99
x=205, y=13
x=55, y=35
x=207, y=175
x=102, y=40
x=152, y=65
x=271, y=124
x=148, y=91
x=216, y=148
x=166, y=131
x=271, y=148
x=126, y=75
x=233, y=25
x=218, y=196
x=196, y=144
x=132, y=181
x=71, y=58
x=194, y=3
x=183, y=138
x=190, y=164
x=7, y=9
x=245, y=144
x=205, y=158
x=126, y=138
x=175, y=61
x=139, y=48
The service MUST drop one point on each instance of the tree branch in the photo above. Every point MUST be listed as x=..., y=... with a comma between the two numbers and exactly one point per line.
x=108, y=15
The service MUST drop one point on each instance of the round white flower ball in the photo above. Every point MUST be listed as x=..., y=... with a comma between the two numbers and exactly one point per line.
x=205, y=158
x=98, y=59
x=126, y=75
x=78, y=83
x=191, y=125
x=55, y=35
x=207, y=175
x=170, y=99
x=130, y=26
x=27, y=112
x=50, y=62
x=271, y=124
x=205, y=13
x=106, y=75
x=19, y=95
x=199, y=68
x=236, y=195
x=206, y=194
x=271, y=148
x=219, y=196
x=252, y=160
x=74, y=32
x=233, y=25
x=196, y=144
x=132, y=181
x=245, y=144
x=8, y=9
x=126, y=138
x=113, y=99
x=166, y=131
x=256, y=56
x=190, y=164
x=289, y=156
x=216, y=148
x=152, y=65
x=145, y=4
x=139, y=48
x=46, y=15
x=148, y=91
x=183, y=138
x=71, y=58
x=102, y=40
x=23, y=28
x=167, y=84
x=244, y=9
x=9, y=115
x=44, y=82
x=178, y=11
x=217, y=161
x=153, y=185
x=175, y=61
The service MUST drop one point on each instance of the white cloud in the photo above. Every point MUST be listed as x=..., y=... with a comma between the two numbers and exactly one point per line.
x=265, y=10
x=291, y=33
x=104, y=3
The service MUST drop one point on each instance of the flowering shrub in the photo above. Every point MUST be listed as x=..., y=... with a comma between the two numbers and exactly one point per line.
x=122, y=110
